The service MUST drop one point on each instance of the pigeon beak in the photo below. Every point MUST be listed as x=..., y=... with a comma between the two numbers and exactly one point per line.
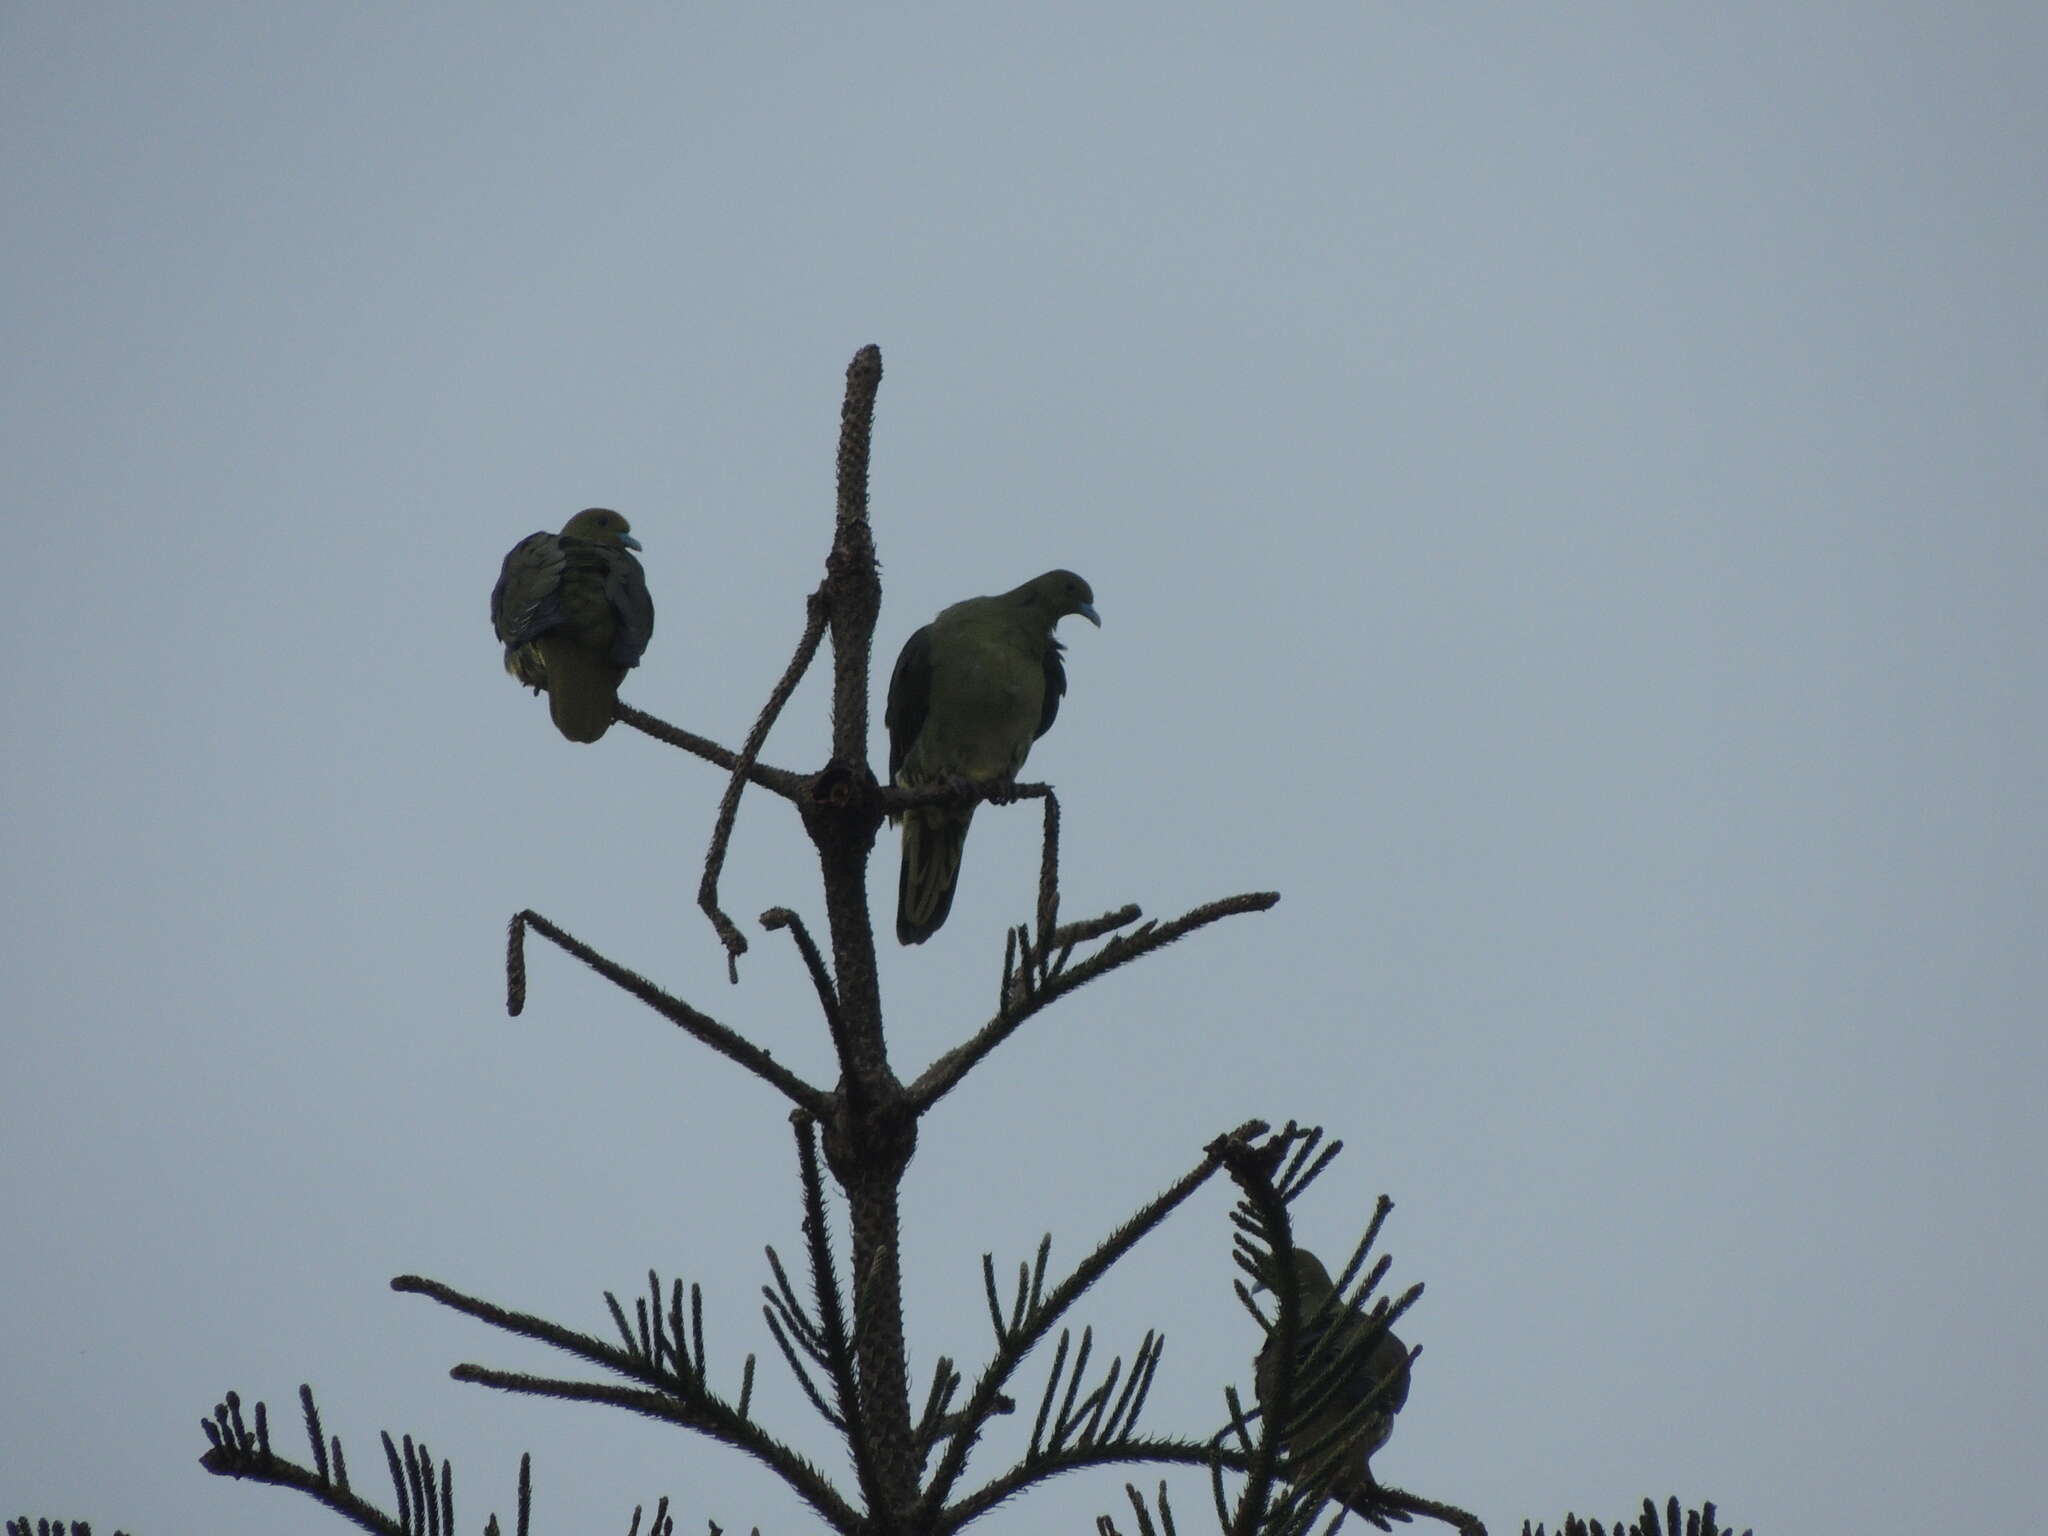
x=1087, y=611
x=629, y=541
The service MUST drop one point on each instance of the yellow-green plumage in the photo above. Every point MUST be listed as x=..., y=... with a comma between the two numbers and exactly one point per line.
x=574, y=615
x=1347, y=1386
x=971, y=691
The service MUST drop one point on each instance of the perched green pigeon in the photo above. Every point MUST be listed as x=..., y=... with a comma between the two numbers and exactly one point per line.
x=1346, y=1390
x=971, y=691
x=573, y=611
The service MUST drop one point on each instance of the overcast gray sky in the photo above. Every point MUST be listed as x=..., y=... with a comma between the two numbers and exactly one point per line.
x=1565, y=490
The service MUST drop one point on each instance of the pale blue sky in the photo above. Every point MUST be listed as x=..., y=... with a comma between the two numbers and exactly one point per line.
x=1565, y=487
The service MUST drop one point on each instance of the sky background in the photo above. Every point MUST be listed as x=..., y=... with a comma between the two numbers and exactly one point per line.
x=1565, y=489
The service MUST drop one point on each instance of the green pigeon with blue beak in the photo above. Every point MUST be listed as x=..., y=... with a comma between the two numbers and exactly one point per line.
x=971, y=692
x=574, y=616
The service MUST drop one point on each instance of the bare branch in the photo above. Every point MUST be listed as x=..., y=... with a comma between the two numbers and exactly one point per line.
x=280, y=1472
x=809, y=1483
x=778, y=780
x=729, y=934
x=725, y=1041
x=947, y=1071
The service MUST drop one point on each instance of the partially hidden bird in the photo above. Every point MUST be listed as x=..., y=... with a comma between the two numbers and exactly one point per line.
x=971, y=692
x=572, y=611
x=1347, y=1386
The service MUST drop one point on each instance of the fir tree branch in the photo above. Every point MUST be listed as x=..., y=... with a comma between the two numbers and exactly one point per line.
x=946, y=1072
x=839, y=1356
x=677, y=1397
x=807, y=1481
x=1020, y=1340
x=426, y=1503
x=725, y=1041
x=821, y=978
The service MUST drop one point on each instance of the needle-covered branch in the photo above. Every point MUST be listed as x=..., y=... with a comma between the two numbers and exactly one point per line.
x=725, y=1041
x=1028, y=998
x=425, y=1498
x=804, y=1479
x=675, y=1395
x=1018, y=1341
x=1186, y=1453
x=831, y=1314
x=852, y=573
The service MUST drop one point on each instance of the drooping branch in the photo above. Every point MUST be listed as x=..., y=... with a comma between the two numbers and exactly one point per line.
x=807, y=1481
x=946, y=1072
x=1268, y=1188
x=674, y=1395
x=663, y=1340
x=729, y=934
x=721, y=1039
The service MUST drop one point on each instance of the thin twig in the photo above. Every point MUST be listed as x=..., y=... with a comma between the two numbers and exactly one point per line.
x=265, y=1467
x=729, y=934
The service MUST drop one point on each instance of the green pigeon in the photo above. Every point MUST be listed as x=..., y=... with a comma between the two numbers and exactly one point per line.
x=1346, y=1389
x=971, y=691
x=573, y=612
